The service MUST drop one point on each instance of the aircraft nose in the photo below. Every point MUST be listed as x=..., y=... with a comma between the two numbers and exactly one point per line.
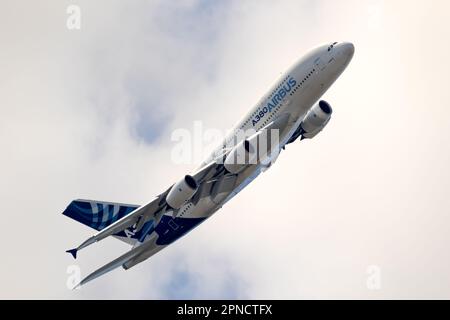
x=344, y=52
x=348, y=49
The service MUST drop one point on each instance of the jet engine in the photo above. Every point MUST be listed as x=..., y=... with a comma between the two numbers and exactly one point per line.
x=181, y=192
x=241, y=156
x=316, y=119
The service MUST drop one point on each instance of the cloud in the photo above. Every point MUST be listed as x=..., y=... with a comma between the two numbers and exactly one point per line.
x=89, y=114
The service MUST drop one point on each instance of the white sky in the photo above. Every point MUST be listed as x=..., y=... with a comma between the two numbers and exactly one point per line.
x=89, y=114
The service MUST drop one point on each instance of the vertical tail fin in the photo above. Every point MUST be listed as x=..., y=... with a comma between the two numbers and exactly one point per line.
x=98, y=215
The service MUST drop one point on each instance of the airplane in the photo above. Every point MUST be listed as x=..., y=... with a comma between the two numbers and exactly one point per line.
x=290, y=110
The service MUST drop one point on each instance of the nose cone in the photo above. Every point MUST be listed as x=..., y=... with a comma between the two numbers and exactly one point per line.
x=347, y=50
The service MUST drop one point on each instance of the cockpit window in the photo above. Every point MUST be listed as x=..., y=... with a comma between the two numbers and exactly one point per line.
x=331, y=47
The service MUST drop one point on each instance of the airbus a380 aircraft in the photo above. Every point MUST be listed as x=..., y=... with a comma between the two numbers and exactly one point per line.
x=289, y=109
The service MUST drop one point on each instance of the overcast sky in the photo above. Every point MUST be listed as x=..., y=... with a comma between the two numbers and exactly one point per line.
x=89, y=113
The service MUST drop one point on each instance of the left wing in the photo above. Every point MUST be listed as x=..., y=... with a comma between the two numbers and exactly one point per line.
x=221, y=174
x=130, y=216
x=114, y=219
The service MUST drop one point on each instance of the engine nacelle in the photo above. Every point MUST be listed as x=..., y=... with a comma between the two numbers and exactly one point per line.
x=181, y=192
x=316, y=119
x=241, y=156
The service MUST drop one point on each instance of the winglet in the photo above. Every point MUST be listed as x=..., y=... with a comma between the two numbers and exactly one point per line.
x=78, y=286
x=73, y=252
